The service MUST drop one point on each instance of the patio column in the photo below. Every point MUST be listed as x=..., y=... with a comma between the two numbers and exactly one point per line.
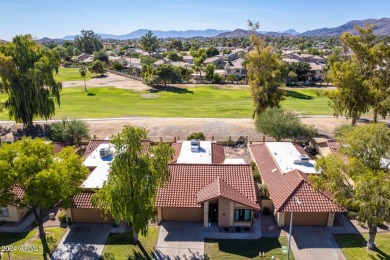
x=159, y=215
x=330, y=219
x=206, y=214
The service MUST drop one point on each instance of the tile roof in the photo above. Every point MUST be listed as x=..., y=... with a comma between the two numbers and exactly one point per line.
x=176, y=147
x=218, y=153
x=18, y=192
x=58, y=146
x=282, y=187
x=219, y=188
x=83, y=200
x=333, y=145
x=92, y=145
x=187, y=180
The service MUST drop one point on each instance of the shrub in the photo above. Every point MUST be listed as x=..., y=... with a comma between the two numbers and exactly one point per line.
x=217, y=78
x=116, y=66
x=238, y=229
x=246, y=229
x=196, y=135
x=266, y=211
x=62, y=216
x=69, y=131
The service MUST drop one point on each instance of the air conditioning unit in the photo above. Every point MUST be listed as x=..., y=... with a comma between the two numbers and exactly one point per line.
x=195, y=145
x=105, y=152
x=303, y=159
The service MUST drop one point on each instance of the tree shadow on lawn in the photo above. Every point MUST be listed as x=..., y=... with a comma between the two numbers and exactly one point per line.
x=10, y=238
x=248, y=248
x=127, y=239
x=298, y=95
x=358, y=241
x=156, y=89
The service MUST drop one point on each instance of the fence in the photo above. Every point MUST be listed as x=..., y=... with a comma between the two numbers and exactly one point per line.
x=126, y=75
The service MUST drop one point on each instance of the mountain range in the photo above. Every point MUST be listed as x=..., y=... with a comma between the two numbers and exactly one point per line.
x=382, y=28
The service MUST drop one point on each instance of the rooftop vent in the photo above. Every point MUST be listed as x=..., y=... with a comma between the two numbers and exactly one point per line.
x=303, y=159
x=195, y=145
x=105, y=152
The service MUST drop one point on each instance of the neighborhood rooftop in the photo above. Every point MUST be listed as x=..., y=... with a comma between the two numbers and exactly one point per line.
x=187, y=181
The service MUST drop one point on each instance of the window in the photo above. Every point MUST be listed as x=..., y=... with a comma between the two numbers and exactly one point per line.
x=242, y=215
x=4, y=212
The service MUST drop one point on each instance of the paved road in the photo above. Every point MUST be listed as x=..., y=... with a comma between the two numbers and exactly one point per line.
x=315, y=243
x=83, y=241
x=180, y=240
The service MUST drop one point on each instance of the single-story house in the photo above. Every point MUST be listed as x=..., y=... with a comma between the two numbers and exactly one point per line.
x=216, y=60
x=235, y=68
x=204, y=186
x=14, y=213
x=98, y=155
x=189, y=59
x=221, y=193
x=84, y=56
x=284, y=169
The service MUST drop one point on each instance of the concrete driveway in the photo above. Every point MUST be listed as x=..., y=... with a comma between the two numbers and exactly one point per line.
x=180, y=240
x=83, y=241
x=314, y=243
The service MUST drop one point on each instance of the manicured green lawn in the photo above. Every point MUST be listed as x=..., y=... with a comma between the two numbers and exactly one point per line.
x=71, y=74
x=354, y=246
x=244, y=249
x=121, y=246
x=28, y=245
x=198, y=102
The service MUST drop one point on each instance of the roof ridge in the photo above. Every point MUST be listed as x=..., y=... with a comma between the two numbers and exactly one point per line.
x=291, y=193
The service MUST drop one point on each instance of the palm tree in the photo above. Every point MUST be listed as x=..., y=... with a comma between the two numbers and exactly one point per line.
x=83, y=72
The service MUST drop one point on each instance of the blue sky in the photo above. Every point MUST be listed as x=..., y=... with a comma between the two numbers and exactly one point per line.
x=56, y=19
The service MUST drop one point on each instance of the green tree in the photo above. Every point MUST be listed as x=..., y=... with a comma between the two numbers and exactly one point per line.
x=358, y=175
x=83, y=73
x=147, y=60
x=212, y=51
x=362, y=81
x=88, y=42
x=264, y=75
x=101, y=55
x=210, y=68
x=231, y=78
x=69, y=131
x=196, y=135
x=177, y=45
x=172, y=55
x=136, y=173
x=97, y=67
x=300, y=69
x=149, y=43
x=28, y=165
x=117, y=66
x=281, y=124
x=168, y=73
x=27, y=76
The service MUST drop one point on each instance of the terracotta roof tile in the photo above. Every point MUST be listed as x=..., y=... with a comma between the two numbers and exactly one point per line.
x=58, y=146
x=18, y=192
x=187, y=180
x=83, y=200
x=333, y=145
x=282, y=187
x=219, y=188
x=176, y=147
x=218, y=153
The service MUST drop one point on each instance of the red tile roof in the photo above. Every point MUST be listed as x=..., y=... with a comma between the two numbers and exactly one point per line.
x=18, y=192
x=92, y=145
x=333, y=145
x=176, y=147
x=83, y=200
x=217, y=153
x=187, y=180
x=282, y=187
x=219, y=188
x=58, y=146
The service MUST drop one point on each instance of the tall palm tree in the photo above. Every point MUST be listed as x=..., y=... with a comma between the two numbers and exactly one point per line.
x=83, y=72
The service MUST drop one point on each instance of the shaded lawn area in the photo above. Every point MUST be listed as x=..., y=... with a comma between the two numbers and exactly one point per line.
x=71, y=74
x=198, y=102
x=27, y=245
x=122, y=246
x=307, y=102
x=354, y=246
x=244, y=249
